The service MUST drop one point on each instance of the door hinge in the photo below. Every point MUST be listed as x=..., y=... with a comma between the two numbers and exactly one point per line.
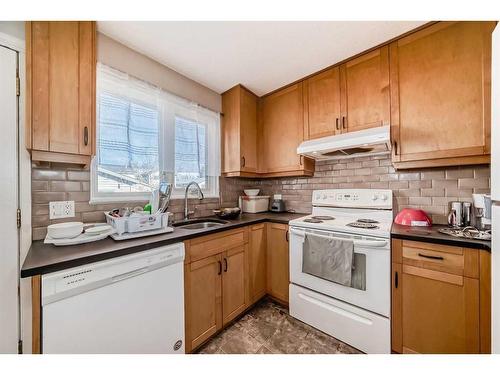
x=18, y=86
x=18, y=218
x=20, y=347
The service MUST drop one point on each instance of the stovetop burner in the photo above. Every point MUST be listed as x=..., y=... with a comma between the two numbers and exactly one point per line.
x=313, y=220
x=367, y=221
x=362, y=225
x=319, y=217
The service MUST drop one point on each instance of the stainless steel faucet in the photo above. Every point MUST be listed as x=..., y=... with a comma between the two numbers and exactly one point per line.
x=200, y=197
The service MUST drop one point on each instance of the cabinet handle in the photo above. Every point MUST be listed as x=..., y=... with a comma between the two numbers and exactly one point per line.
x=396, y=280
x=300, y=159
x=337, y=124
x=243, y=161
x=287, y=236
x=225, y=264
x=220, y=267
x=430, y=256
x=395, y=147
x=86, y=135
x=343, y=122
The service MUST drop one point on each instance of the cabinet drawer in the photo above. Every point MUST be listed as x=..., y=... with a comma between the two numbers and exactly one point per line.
x=202, y=247
x=449, y=259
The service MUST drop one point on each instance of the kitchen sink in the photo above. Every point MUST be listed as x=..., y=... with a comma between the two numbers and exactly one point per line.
x=200, y=223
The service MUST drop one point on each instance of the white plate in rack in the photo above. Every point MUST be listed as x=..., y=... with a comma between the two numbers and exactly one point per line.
x=129, y=236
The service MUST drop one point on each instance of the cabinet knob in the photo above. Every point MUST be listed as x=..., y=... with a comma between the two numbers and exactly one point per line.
x=396, y=280
x=343, y=122
x=337, y=124
x=287, y=236
x=86, y=135
x=225, y=264
x=243, y=161
x=220, y=267
x=301, y=159
x=395, y=147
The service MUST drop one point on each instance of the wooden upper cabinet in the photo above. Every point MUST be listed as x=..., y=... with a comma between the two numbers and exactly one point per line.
x=322, y=104
x=239, y=132
x=282, y=122
x=61, y=90
x=440, y=95
x=364, y=84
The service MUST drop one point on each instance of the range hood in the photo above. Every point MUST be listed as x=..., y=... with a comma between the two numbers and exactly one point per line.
x=374, y=141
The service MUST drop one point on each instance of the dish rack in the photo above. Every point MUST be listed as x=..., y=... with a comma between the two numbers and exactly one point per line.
x=137, y=222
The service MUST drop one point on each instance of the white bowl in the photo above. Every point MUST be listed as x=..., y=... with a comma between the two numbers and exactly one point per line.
x=65, y=230
x=251, y=192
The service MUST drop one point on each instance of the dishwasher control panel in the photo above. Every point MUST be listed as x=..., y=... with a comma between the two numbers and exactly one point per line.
x=60, y=284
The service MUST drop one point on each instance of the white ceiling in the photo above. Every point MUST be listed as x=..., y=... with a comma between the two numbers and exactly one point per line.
x=262, y=56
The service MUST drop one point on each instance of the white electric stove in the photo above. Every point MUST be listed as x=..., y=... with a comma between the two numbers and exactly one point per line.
x=357, y=314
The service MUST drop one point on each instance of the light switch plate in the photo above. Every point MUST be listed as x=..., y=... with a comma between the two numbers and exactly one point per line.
x=61, y=209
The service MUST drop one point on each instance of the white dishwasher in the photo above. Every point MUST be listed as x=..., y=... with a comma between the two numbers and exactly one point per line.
x=130, y=304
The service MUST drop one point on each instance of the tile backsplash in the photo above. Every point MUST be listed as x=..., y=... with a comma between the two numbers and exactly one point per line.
x=428, y=189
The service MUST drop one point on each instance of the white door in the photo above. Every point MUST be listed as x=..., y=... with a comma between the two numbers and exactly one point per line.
x=9, y=249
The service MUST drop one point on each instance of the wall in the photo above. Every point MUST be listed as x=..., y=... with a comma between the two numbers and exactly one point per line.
x=13, y=28
x=428, y=189
x=64, y=182
x=115, y=54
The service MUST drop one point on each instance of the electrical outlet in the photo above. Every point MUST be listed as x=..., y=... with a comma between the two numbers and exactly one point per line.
x=61, y=209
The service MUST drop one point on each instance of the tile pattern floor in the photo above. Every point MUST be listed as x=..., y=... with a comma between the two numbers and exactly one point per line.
x=268, y=329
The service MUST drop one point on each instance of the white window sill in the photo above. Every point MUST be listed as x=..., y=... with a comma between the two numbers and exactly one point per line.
x=105, y=200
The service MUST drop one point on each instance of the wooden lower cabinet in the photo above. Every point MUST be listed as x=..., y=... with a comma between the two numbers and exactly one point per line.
x=216, y=283
x=257, y=259
x=225, y=273
x=203, y=298
x=234, y=283
x=278, y=265
x=436, y=299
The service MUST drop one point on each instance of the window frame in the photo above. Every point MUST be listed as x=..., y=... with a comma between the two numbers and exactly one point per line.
x=168, y=110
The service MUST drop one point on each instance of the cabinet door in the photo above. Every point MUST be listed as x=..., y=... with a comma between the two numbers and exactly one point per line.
x=61, y=85
x=278, y=269
x=283, y=121
x=234, y=283
x=440, y=95
x=257, y=261
x=439, y=312
x=248, y=131
x=239, y=131
x=365, y=91
x=322, y=104
x=203, y=300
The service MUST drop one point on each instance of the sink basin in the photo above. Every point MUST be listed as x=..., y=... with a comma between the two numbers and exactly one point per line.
x=200, y=223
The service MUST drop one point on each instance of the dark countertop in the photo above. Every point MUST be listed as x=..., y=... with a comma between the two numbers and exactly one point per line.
x=45, y=258
x=431, y=234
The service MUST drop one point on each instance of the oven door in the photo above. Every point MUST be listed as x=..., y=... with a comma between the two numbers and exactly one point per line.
x=370, y=289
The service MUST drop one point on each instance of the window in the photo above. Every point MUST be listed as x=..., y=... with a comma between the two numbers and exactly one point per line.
x=142, y=131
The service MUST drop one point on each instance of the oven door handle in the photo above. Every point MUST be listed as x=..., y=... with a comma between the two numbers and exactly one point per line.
x=362, y=243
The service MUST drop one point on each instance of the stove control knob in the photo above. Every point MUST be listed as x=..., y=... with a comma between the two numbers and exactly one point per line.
x=374, y=197
x=383, y=197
